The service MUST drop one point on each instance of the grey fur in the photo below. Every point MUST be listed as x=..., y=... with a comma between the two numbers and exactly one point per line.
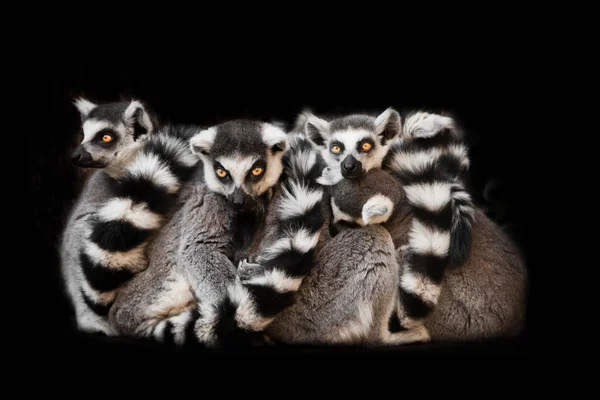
x=192, y=256
x=127, y=122
x=105, y=238
x=351, y=196
x=484, y=298
x=193, y=248
x=332, y=293
x=346, y=300
x=498, y=277
x=95, y=192
x=487, y=296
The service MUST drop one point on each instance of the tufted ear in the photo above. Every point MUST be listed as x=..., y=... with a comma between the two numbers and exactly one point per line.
x=136, y=117
x=317, y=129
x=388, y=125
x=274, y=137
x=84, y=107
x=201, y=143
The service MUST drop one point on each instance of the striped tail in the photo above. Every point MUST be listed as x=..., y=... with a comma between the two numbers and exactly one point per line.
x=121, y=228
x=195, y=328
x=266, y=288
x=178, y=330
x=431, y=162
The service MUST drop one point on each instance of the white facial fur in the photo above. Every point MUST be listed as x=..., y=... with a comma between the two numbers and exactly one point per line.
x=350, y=139
x=239, y=165
x=116, y=157
x=93, y=126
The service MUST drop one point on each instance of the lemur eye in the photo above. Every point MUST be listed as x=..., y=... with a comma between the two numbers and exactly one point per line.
x=257, y=171
x=221, y=173
x=107, y=138
x=366, y=146
x=336, y=149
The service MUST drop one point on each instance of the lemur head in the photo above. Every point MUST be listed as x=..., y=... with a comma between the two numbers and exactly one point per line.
x=242, y=159
x=354, y=144
x=112, y=133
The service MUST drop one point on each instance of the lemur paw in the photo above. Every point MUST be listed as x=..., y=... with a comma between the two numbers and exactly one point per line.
x=377, y=210
x=329, y=177
x=247, y=270
x=424, y=124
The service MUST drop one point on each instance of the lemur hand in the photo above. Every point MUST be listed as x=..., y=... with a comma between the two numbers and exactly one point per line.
x=247, y=270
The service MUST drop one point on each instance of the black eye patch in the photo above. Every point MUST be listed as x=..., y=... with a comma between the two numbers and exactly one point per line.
x=221, y=172
x=336, y=148
x=106, y=137
x=365, y=145
x=257, y=171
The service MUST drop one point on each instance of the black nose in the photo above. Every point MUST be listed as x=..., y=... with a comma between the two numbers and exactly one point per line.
x=237, y=199
x=351, y=167
x=81, y=157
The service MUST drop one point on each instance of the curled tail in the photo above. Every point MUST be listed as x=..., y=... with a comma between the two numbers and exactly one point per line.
x=179, y=330
x=121, y=228
x=268, y=286
x=431, y=162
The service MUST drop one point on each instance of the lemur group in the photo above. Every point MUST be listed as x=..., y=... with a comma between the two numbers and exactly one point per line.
x=355, y=229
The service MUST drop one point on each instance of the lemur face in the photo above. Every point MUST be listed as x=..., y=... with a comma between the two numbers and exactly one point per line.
x=242, y=159
x=111, y=134
x=354, y=144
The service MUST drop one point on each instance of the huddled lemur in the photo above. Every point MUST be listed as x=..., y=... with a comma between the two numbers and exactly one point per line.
x=431, y=218
x=191, y=292
x=139, y=172
x=431, y=160
x=251, y=173
x=190, y=289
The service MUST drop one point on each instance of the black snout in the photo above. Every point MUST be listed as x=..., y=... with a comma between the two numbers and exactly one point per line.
x=81, y=157
x=351, y=167
x=240, y=200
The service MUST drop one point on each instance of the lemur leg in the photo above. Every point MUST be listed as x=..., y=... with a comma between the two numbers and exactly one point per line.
x=182, y=296
x=158, y=304
x=349, y=294
x=416, y=334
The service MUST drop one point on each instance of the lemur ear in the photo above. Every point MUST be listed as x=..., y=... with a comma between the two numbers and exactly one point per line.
x=201, y=143
x=423, y=124
x=317, y=129
x=274, y=137
x=137, y=117
x=388, y=125
x=84, y=107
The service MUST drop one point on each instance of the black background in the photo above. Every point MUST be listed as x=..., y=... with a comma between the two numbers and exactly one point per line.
x=486, y=93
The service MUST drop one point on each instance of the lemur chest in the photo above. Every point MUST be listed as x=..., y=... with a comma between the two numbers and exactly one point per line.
x=247, y=235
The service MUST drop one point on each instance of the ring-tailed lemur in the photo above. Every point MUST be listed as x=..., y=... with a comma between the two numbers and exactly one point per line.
x=429, y=159
x=346, y=297
x=251, y=175
x=352, y=291
x=123, y=204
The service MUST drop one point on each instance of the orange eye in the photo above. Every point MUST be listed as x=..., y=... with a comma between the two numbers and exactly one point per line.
x=366, y=146
x=106, y=138
x=221, y=173
x=336, y=149
x=257, y=171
